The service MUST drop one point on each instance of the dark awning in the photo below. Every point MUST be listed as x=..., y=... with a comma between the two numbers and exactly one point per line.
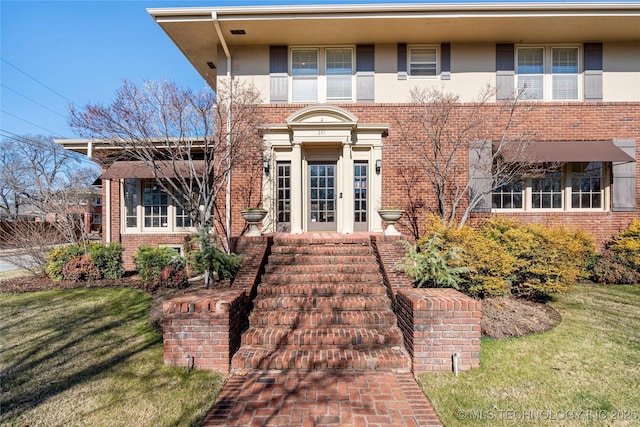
x=139, y=169
x=565, y=151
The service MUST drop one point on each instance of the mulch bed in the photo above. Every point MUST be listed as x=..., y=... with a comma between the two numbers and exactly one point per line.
x=506, y=317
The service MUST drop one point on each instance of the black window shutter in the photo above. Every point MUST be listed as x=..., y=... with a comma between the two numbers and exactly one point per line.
x=365, y=73
x=445, y=58
x=402, y=61
x=593, y=71
x=278, y=69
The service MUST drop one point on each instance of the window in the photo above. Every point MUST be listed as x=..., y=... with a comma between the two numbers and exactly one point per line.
x=508, y=196
x=304, y=73
x=322, y=74
x=148, y=207
x=586, y=185
x=339, y=74
x=557, y=81
x=574, y=186
x=564, y=70
x=530, y=70
x=156, y=205
x=423, y=61
x=131, y=202
x=546, y=191
x=97, y=219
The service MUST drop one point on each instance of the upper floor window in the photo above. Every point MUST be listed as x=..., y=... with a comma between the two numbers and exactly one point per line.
x=548, y=73
x=322, y=74
x=423, y=61
x=304, y=72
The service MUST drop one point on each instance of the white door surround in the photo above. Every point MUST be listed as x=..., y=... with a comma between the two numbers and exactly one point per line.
x=321, y=134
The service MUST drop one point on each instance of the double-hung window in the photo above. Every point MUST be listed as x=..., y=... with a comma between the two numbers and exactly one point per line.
x=530, y=71
x=423, y=61
x=564, y=73
x=322, y=74
x=339, y=74
x=304, y=75
x=586, y=185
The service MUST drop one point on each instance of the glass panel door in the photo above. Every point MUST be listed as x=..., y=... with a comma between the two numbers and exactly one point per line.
x=283, y=222
x=322, y=197
x=360, y=196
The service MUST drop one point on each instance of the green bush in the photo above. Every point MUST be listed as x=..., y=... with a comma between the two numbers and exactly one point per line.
x=150, y=261
x=80, y=268
x=209, y=258
x=107, y=259
x=432, y=266
x=58, y=257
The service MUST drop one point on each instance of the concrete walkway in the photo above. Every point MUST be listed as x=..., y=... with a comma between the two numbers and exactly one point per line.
x=322, y=398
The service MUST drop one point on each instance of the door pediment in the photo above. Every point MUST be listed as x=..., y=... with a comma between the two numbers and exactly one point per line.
x=322, y=116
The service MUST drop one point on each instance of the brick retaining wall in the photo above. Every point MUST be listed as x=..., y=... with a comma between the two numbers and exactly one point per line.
x=436, y=323
x=207, y=326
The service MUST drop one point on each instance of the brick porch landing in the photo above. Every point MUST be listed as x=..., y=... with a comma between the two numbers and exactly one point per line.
x=322, y=398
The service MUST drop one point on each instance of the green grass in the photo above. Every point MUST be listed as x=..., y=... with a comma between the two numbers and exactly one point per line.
x=88, y=357
x=588, y=363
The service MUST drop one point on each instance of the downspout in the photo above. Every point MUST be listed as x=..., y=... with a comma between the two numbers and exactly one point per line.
x=216, y=24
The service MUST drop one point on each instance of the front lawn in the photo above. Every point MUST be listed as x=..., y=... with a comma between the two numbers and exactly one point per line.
x=88, y=357
x=583, y=372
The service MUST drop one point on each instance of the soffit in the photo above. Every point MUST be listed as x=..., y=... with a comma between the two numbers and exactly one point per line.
x=192, y=29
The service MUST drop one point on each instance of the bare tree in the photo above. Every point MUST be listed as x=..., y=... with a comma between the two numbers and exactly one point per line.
x=449, y=139
x=189, y=140
x=47, y=188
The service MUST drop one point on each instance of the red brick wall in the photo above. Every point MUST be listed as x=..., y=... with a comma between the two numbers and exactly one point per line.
x=545, y=121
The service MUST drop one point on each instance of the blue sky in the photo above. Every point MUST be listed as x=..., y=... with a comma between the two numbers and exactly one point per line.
x=57, y=52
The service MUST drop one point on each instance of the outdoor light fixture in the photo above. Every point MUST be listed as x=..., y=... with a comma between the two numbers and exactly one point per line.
x=265, y=164
x=378, y=165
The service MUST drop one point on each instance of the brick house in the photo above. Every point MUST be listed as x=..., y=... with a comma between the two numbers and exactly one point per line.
x=336, y=80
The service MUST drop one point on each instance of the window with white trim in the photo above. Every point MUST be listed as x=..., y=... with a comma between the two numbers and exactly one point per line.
x=574, y=186
x=548, y=73
x=423, y=61
x=148, y=207
x=323, y=74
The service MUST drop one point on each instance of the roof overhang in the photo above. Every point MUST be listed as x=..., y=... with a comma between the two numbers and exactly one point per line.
x=158, y=169
x=565, y=151
x=193, y=29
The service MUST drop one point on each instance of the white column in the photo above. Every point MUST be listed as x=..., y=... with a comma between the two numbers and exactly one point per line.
x=347, y=188
x=296, y=189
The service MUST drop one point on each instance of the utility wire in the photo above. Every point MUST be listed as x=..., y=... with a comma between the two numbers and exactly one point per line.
x=32, y=100
x=38, y=81
x=31, y=123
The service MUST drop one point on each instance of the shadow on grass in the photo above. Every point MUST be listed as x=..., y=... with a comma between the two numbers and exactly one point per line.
x=56, y=340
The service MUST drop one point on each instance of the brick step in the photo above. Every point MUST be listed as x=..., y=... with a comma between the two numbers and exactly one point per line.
x=314, y=338
x=334, y=302
x=321, y=317
x=329, y=266
x=393, y=359
x=342, y=240
x=327, y=277
x=322, y=250
x=320, y=289
x=320, y=260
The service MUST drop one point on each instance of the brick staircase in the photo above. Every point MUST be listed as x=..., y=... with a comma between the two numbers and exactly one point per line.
x=322, y=304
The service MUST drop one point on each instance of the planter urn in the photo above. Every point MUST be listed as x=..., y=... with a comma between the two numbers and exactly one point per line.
x=391, y=216
x=253, y=218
